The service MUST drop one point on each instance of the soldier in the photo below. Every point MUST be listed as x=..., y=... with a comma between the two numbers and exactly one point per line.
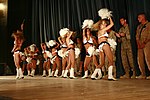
x=126, y=50
x=143, y=43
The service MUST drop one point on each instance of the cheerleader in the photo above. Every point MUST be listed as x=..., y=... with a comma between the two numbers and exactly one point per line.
x=18, y=41
x=46, y=55
x=88, y=41
x=63, y=53
x=71, y=55
x=32, y=59
x=55, y=60
x=104, y=46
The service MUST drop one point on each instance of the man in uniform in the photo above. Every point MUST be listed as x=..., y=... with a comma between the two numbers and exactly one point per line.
x=143, y=43
x=126, y=50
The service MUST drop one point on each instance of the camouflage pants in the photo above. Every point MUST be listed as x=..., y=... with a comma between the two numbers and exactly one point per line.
x=127, y=60
x=144, y=55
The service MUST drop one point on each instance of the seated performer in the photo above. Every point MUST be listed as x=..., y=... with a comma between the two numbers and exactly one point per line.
x=55, y=60
x=46, y=56
x=32, y=59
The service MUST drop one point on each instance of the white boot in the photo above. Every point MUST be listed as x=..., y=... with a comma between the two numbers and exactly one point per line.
x=99, y=74
x=21, y=74
x=49, y=72
x=44, y=73
x=65, y=74
x=32, y=72
x=62, y=74
x=72, y=73
x=52, y=73
x=93, y=76
x=110, y=75
x=56, y=73
x=18, y=74
x=29, y=74
x=85, y=74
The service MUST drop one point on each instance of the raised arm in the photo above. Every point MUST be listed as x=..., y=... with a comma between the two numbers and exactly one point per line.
x=69, y=35
x=110, y=25
x=59, y=39
x=96, y=26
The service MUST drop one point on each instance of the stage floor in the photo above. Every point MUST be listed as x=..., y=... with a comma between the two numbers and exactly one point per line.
x=45, y=88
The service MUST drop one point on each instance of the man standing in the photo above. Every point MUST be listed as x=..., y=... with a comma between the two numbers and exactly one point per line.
x=143, y=43
x=126, y=50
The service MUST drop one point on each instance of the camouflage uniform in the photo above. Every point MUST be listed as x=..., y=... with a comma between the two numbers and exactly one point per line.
x=126, y=52
x=111, y=35
x=143, y=37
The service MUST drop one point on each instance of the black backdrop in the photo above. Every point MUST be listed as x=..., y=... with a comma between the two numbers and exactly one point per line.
x=44, y=19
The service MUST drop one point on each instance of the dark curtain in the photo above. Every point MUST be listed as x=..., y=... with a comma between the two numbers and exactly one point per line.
x=44, y=18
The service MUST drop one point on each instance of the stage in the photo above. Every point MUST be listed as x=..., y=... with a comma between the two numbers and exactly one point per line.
x=46, y=88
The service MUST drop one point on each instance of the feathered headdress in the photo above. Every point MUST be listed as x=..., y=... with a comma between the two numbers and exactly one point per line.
x=51, y=43
x=104, y=13
x=87, y=23
x=63, y=32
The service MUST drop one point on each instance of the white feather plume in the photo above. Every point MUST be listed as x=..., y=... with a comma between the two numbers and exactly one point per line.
x=63, y=32
x=51, y=43
x=77, y=52
x=87, y=23
x=104, y=13
x=63, y=54
x=112, y=43
x=91, y=50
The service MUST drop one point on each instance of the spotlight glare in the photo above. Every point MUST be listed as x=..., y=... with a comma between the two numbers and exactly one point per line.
x=2, y=6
